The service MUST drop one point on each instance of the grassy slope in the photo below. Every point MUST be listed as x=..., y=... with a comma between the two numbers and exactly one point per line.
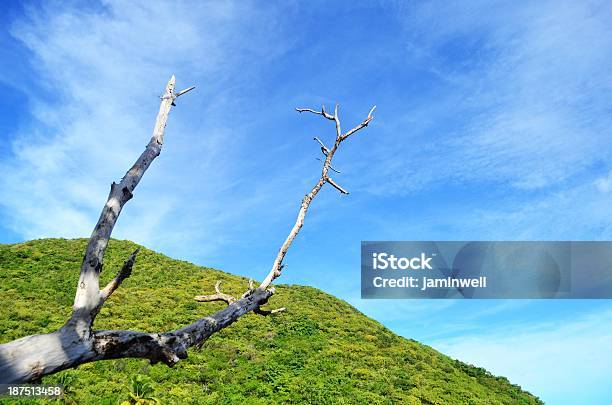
x=321, y=351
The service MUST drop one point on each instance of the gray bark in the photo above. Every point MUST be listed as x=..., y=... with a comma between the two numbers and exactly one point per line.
x=32, y=357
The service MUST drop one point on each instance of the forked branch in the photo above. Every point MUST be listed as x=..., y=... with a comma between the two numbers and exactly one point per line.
x=88, y=297
x=125, y=272
x=32, y=357
x=218, y=296
x=75, y=343
x=277, y=266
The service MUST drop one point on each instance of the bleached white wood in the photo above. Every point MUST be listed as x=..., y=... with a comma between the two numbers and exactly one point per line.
x=277, y=266
x=32, y=357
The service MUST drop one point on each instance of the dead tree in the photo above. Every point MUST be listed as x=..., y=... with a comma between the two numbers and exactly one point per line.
x=77, y=342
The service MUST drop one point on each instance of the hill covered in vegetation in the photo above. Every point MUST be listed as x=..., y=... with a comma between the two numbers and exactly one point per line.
x=322, y=350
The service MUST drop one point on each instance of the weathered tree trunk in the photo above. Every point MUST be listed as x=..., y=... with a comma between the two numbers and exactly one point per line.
x=32, y=357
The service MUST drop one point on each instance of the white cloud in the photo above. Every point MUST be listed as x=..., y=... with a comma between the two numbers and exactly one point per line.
x=522, y=96
x=100, y=70
x=568, y=361
x=604, y=184
x=575, y=213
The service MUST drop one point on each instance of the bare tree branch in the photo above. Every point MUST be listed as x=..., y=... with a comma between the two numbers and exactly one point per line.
x=265, y=312
x=87, y=297
x=365, y=123
x=322, y=112
x=32, y=357
x=125, y=272
x=337, y=121
x=250, y=290
x=330, y=166
x=324, y=149
x=218, y=296
x=228, y=299
x=180, y=93
x=277, y=266
x=336, y=186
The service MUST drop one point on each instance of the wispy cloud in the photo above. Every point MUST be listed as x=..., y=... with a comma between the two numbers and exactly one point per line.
x=492, y=123
x=520, y=93
x=99, y=70
x=563, y=362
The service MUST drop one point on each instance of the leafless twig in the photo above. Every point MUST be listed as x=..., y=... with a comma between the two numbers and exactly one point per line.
x=277, y=266
x=218, y=296
x=330, y=166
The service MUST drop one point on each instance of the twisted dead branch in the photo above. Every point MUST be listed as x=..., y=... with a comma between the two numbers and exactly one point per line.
x=76, y=342
x=329, y=153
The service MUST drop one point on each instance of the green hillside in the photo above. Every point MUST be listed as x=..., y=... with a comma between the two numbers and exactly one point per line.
x=321, y=350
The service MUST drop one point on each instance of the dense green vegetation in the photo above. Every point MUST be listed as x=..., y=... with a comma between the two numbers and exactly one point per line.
x=321, y=350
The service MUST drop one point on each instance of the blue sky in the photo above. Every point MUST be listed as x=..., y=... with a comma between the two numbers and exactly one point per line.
x=493, y=123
